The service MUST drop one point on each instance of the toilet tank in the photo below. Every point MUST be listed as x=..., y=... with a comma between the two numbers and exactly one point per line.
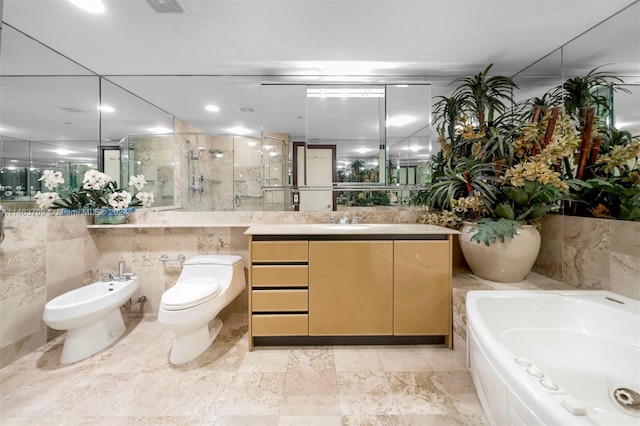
x=215, y=267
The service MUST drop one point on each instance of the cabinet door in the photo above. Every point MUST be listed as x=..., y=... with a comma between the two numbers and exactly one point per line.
x=350, y=288
x=422, y=288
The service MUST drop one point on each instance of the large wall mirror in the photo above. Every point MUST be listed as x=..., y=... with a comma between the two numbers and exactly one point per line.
x=48, y=116
x=601, y=47
x=259, y=133
x=350, y=142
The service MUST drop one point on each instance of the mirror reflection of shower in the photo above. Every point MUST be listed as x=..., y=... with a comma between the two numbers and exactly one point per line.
x=196, y=179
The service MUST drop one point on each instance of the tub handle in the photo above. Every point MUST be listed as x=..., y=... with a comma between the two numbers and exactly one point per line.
x=165, y=258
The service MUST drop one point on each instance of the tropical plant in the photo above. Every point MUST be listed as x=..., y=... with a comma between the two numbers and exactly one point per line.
x=501, y=163
x=483, y=96
x=604, y=172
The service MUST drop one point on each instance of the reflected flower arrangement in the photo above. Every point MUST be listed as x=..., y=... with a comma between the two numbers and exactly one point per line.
x=98, y=191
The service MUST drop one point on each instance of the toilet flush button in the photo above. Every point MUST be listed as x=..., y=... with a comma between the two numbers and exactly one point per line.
x=575, y=407
x=535, y=372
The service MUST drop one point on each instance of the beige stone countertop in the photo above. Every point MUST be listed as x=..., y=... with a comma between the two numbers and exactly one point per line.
x=348, y=229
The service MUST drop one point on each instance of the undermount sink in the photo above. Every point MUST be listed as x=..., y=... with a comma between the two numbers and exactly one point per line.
x=346, y=226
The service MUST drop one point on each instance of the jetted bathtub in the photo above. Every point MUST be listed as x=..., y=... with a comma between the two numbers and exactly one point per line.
x=555, y=357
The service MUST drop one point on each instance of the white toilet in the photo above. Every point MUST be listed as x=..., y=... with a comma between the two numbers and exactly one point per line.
x=206, y=284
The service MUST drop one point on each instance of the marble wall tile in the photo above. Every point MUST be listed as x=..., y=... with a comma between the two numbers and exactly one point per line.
x=549, y=261
x=64, y=266
x=61, y=228
x=27, y=231
x=625, y=237
x=22, y=270
x=624, y=275
x=595, y=253
x=21, y=315
x=154, y=275
x=91, y=258
x=551, y=227
x=585, y=268
x=585, y=232
x=113, y=248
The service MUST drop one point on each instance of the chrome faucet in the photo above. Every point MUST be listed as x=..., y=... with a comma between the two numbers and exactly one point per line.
x=121, y=275
x=108, y=276
x=344, y=219
x=356, y=219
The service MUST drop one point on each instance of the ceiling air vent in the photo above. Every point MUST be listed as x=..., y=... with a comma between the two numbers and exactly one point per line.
x=69, y=109
x=167, y=6
x=246, y=109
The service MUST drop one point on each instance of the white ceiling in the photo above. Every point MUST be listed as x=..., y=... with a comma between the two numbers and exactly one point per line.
x=304, y=37
x=430, y=41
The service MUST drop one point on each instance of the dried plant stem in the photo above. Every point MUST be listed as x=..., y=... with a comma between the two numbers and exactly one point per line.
x=586, y=141
x=467, y=180
x=595, y=150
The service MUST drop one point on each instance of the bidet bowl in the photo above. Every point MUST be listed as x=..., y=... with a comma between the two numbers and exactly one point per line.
x=91, y=315
x=85, y=305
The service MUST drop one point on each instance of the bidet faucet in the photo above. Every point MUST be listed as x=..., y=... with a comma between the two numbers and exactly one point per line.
x=108, y=276
x=121, y=274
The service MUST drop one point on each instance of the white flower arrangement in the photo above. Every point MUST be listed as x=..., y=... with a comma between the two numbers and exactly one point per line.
x=98, y=191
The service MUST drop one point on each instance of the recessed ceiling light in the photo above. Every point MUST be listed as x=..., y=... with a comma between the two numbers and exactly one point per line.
x=239, y=130
x=362, y=150
x=62, y=152
x=212, y=108
x=106, y=108
x=400, y=120
x=345, y=92
x=93, y=6
x=159, y=130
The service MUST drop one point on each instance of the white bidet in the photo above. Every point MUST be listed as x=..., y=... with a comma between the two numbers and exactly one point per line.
x=91, y=315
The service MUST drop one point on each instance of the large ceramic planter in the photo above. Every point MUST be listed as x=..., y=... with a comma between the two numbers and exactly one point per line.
x=507, y=262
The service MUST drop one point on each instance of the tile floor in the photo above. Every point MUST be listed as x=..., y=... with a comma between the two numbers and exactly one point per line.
x=132, y=383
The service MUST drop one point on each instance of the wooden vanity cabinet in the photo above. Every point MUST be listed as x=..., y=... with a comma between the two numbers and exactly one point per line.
x=421, y=288
x=319, y=286
x=278, y=297
x=350, y=288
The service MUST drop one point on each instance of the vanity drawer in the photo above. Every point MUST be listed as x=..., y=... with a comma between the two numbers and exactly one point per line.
x=280, y=325
x=279, y=275
x=279, y=251
x=279, y=300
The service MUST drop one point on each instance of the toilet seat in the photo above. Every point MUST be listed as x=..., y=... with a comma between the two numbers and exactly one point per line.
x=189, y=293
